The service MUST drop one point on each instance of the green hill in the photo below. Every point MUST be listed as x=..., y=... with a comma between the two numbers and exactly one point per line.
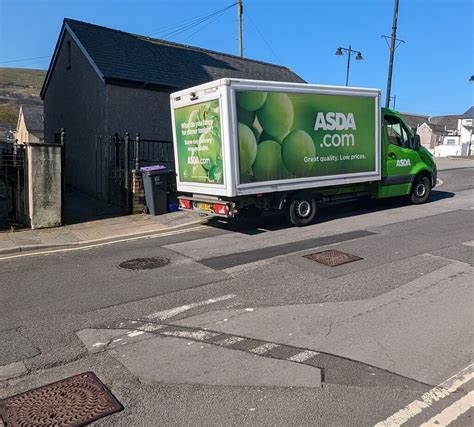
x=17, y=86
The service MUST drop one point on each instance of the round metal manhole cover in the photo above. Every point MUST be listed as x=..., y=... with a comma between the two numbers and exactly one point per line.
x=145, y=263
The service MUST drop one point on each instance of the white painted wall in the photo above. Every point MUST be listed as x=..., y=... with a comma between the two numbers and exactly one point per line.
x=451, y=150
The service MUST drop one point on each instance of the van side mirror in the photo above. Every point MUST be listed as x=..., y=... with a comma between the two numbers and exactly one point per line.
x=416, y=143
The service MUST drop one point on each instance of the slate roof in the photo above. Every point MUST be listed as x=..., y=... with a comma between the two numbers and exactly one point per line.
x=469, y=114
x=451, y=122
x=34, y=117
x=414, y=120
x=126, y=57
x=438, y=128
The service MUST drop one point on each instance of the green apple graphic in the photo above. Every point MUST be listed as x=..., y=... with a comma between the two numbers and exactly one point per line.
x=209, y=149
x=247, y=147
x=268, y=164
x=297, y=146
x=276, y=115
x=251, y=101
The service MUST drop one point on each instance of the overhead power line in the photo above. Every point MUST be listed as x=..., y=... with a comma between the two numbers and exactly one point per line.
x=182, y=23
x=176, y=29
x=206, y=25
x=24, y=59
x=262, y=37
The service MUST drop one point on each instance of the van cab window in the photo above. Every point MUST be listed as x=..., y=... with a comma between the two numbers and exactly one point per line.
x=397, y=134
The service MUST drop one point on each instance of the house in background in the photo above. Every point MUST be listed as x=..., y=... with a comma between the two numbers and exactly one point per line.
x=459, y=141
x=414, y=120
x=431, y=134
x=30, y=125
x=103, y=81
x=444, y=135
x=466, y=126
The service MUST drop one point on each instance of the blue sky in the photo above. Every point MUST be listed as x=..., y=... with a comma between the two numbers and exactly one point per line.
x=431, y=69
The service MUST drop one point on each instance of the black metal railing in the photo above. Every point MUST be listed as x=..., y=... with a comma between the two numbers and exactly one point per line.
x=144, y=152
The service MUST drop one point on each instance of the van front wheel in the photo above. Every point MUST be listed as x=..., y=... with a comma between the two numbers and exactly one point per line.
x=301, y=209
x=421, y=190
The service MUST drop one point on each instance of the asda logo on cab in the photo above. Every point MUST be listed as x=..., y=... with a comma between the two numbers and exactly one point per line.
x=403, y=162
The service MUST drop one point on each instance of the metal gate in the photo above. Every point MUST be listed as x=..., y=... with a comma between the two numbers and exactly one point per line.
x=112, y=177
x=12, y=183
x=116, y=156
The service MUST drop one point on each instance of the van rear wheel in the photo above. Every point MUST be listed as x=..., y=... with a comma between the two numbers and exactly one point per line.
x=301, y=209
x=420, y=190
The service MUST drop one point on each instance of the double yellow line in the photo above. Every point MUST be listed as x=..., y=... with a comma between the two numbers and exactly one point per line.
x=112, y=242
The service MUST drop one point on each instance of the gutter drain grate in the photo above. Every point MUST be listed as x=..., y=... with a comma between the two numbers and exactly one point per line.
x=144, y=263
x=74, y=401
x=332, y=258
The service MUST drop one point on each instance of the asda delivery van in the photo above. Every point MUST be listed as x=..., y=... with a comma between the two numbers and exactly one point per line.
x=243, y=146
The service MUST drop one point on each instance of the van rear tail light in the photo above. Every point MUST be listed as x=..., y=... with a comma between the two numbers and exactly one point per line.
x=220, y=209
x=185, y=204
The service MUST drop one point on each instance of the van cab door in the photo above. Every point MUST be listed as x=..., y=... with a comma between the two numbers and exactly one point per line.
x=400, y=159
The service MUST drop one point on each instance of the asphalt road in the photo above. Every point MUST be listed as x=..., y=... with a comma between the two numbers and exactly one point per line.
x=241, y=328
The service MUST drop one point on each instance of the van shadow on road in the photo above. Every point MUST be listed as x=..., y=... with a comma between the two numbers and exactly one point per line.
x=276, y=220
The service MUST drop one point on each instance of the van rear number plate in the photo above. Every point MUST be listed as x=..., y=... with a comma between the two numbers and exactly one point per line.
x=204, y=206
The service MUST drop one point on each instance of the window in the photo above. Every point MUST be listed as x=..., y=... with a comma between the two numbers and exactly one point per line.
x=451, y=141
x=68, y=53
x=397, y=134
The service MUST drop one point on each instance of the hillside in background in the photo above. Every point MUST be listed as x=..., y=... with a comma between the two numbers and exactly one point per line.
x=17, y=86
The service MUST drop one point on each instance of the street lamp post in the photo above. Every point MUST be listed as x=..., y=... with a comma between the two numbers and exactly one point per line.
x=349, y=51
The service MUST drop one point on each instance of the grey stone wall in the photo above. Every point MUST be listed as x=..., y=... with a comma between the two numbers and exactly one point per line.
x=44, y=185
x=139, y=110
x=75, y=99
x=90, y=110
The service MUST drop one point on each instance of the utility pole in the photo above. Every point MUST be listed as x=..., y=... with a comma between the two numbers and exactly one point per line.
x=394, y=97
x=239, y=14
x=392, y=51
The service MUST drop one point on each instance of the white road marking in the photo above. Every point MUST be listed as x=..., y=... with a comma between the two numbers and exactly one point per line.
x=439, y=182
x=98, y=245
x=135, y=333
x=262, y=349
x=230, y=341
x=470, y=243
x=98, y=344
x=452, y=413
x=301, y=357
x=149, y=327
x=195, y=335
x=426, y=400
x=166, y=314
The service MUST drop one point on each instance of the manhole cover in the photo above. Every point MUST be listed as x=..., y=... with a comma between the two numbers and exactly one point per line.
x=74, y=401
x=332, y=258
x=144, y=263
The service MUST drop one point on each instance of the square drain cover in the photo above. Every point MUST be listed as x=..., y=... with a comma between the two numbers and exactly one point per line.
x=74, y=401
x=332, y=258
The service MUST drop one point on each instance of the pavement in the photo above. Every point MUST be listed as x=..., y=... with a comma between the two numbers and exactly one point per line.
x=126, y=226
x=92, y=232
